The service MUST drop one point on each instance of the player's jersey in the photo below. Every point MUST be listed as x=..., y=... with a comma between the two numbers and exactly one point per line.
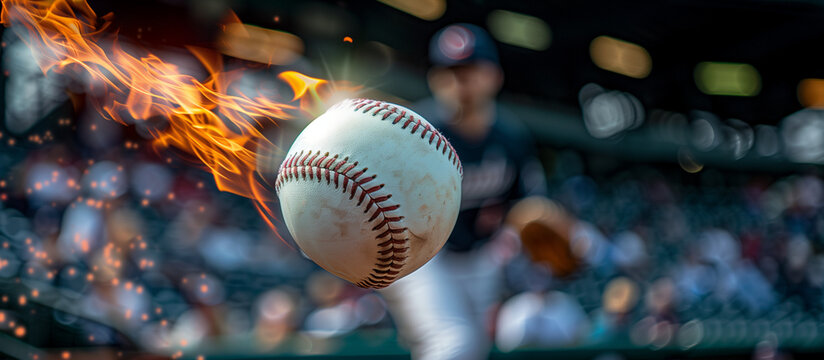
x=497, y=170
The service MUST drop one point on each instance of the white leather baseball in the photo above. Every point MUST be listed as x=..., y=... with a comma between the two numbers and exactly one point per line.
x=370, y=191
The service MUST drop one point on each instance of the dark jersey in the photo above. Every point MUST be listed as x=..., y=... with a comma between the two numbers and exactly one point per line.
x=497, y=170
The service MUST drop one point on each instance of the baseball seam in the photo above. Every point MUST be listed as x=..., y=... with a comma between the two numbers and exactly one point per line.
x=312, y=165
x=378, y=107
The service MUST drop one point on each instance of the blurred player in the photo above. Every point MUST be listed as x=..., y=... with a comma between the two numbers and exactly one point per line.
x=442, y=309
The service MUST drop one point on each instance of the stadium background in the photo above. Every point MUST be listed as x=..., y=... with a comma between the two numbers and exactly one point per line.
x=697, y=156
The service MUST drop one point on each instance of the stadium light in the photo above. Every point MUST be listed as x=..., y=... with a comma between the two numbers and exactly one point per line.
x=424, y=9
x=620, y=57
x=261, y=45
x=811, y=93
x=519, y=30
x=731, y=79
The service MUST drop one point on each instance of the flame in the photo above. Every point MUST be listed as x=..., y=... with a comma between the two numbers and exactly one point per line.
x=223, y=132
x=305, y=88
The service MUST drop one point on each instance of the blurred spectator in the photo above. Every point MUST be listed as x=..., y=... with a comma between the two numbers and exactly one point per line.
x=531, y=319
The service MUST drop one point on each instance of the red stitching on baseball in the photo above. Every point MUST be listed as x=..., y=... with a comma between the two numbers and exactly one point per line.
x=295, y=167
x=376, y=107
x=388, y=272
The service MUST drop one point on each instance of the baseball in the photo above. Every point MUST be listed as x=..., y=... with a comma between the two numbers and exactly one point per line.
x=370, y=191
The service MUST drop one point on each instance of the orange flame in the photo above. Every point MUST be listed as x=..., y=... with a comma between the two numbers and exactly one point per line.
x=224, y=132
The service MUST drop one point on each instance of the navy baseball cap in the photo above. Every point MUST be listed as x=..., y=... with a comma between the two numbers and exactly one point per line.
x=461, y=44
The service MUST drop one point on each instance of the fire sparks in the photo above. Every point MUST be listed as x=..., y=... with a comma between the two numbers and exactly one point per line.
x=223, y=132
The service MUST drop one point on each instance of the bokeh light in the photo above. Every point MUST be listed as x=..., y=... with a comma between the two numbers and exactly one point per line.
x=732, y=79
x=620, y=56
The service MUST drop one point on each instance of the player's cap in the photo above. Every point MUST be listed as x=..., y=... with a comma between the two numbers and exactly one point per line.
x=461, y=44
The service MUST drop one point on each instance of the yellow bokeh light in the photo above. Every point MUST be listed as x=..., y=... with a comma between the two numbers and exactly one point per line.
x=424, y=9
x=260, y=45
x=621, y=57
x=519, y=30
x=731, y=79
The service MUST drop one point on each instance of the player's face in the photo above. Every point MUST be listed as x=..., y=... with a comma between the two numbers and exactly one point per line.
x=466, y=86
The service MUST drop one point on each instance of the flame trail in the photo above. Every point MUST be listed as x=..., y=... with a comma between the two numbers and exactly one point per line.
x=222, y=131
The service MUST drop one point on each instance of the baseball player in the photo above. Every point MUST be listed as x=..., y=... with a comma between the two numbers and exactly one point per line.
x=442, y=309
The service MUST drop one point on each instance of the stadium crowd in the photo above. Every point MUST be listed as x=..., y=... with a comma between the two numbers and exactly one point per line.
x=134, y=248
